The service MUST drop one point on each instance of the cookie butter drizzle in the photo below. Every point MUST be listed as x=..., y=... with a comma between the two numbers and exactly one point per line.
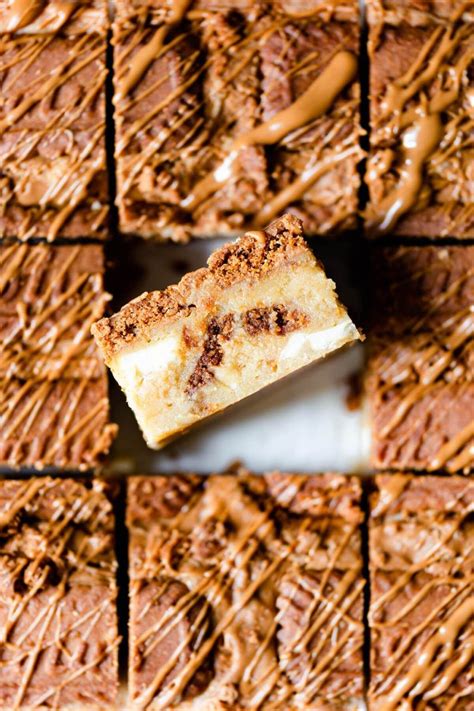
x=22, y=12
x=425, y=141
x=282, y=128
x=239, y=586
x=432, y=365
x=52, y=199
x=434, y=652
x=50, y=336
x=315, y=101
x=74, y=544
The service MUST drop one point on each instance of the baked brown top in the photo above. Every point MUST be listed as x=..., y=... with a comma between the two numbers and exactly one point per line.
x=421, y=78
x=257, y=579
x=229, y=113
x=68, y=18
x=62, y=423
x=58, y=594
x=249, y=258
x=49, y=297
x=421, y=614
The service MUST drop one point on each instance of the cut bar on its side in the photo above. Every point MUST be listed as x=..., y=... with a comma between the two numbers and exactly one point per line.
x=245, y=592
x=261, y=309
x=421, y=355
x=230, y=113
x=421, y=541
x=421, y=85
x=58, y=620
x=53, y=175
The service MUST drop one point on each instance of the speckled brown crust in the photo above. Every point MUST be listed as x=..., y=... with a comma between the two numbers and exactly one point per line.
x=421, y=81
x=53, y=177
x=58, y=621
x=421, y=359
x=249, y=258
x=227, y=68
x=421, y=544
x=245, y=592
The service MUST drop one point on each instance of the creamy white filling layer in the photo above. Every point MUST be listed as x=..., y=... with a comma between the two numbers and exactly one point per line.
x=132, y=368
x=320, y=341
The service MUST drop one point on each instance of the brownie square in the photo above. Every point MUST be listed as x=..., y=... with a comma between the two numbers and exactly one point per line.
x=421, y=78
x=49, y=298
x=420, y=360
x=188, y=159
x=86, y=16
x=53, y=183
x=421, y=615
x=245, y=591
x=62, y=423
x=58, y=647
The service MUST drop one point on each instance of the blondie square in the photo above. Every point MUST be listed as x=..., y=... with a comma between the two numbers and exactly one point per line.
x=419, y=171
x=245, y=592
x=58, y=620
x=421, y=615
x=228, y=114
x=421, y=359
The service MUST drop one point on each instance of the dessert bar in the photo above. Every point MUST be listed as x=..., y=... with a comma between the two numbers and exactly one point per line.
x=261, y=309
x=420, y=366
x=49, y=298
x=62, y=423
x=53, y=180
x=421, y=541
x=58, y=621
x=228, y=114
x=54, y=408
x=421, y=85
x=245, y=592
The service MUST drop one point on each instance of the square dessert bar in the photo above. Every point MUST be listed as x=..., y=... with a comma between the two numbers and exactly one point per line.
x=58, y=620
x=54, y=408
x=49, y=298
x=420, y=380
x=261, y=309
x=229, y=113
x=53, y=179
x=421, y=542
x=421, y=86
x=245, y=592
x=55, y=423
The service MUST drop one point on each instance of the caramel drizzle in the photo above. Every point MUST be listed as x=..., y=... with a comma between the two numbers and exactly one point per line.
x=64, y=436
x=234, y=588
x=424, y=132
x=56, y=351
x=22, y=12
x=315, y=101
x=90, y=557
x=425, y=667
